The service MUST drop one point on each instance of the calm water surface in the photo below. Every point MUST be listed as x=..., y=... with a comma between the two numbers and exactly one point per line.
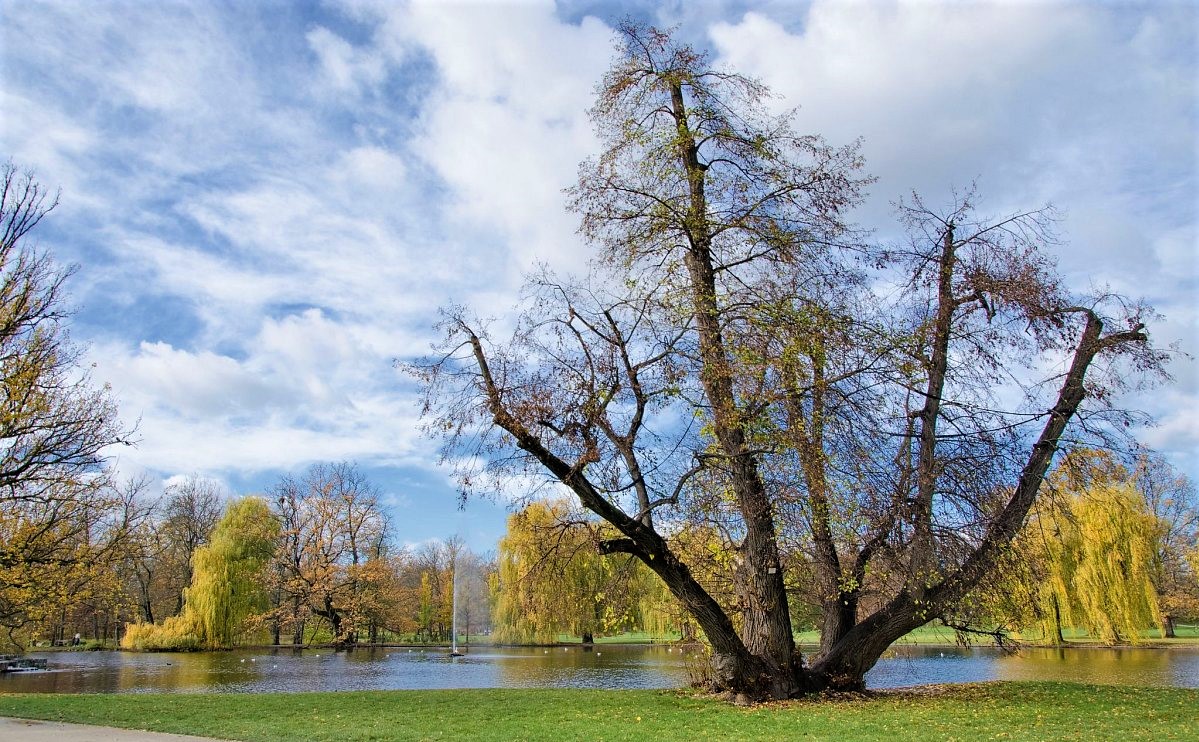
x=611, y=666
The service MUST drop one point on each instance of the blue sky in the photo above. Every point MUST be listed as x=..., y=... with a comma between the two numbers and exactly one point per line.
x=268, y=201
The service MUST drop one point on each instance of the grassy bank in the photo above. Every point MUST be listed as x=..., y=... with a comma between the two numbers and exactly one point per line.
x=1009, y=711
x=934, y=634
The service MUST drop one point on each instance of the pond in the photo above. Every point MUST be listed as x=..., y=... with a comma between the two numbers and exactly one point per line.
x=605, y=666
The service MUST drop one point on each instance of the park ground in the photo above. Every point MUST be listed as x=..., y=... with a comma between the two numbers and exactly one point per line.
x=998, y=711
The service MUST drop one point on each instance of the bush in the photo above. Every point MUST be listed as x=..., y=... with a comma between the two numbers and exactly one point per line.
x=173, y=635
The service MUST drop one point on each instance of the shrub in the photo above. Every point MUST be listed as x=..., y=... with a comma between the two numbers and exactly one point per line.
x=176, y=634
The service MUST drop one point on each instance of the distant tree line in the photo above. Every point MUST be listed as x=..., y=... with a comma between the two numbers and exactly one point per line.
x=310, y=562
x=84, y=554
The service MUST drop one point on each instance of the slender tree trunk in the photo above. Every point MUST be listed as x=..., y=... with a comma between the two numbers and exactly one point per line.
x=297, y=630
x=143, y=583
x=766, y=623
x=334, y=617
x=839, y=596
x=922, y=565
x=1058, y=639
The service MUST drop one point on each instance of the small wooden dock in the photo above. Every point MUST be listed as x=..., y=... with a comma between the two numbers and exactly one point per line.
x=12, y=663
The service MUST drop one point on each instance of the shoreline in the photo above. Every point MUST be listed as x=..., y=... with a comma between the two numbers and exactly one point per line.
x=807, y=646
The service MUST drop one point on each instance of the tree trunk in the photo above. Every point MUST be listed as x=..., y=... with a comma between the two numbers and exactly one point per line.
x=844, y=666
x=143, y=583
x=1058, y=639
x=588, y=638
x=766, y=622
x=1168, y=626
x=922, y=568
x=334, y=618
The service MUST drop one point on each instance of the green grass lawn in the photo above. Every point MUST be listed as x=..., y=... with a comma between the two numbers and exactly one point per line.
x=1007, y=711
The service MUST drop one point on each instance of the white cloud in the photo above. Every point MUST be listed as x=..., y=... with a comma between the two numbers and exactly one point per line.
x=1040, y=99
x=312, y=188
x=506, y=126
x=345, y=68
x=48, y=139
x=309, y=390
x=195, y=385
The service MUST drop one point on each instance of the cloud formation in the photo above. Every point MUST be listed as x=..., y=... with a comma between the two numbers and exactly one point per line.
x=269, y=202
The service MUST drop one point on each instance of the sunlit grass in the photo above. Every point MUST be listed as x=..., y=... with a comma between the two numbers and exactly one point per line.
x=1010, y=711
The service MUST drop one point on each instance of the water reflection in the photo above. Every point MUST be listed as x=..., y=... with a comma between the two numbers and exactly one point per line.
x=610, y=666
x=363, y=669
x=1178, y=667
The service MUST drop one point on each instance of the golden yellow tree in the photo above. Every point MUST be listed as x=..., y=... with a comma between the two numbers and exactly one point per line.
x=551, y=579
x=228, y=588
x=227, y=574
x=1172, y=499
x=1093, y=550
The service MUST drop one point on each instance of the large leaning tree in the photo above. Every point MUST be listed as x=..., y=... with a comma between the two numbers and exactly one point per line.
x=870, y=426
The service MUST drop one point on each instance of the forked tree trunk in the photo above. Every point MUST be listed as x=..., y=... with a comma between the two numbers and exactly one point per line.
x=749, y=662
x=845, y=665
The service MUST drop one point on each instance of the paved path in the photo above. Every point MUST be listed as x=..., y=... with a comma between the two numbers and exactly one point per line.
x=31, y=730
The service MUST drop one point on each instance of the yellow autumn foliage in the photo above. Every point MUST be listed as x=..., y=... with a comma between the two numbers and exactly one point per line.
x=227, y=586
x=1092, y=548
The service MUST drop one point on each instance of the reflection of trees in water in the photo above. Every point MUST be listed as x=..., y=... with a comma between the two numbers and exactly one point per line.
x=1142, y=666
x=608, y=666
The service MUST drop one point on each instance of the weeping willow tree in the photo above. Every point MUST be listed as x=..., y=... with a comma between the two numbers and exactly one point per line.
x=551, y=579
x=1092, y=549
x=227, y=588
x=227, y=585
